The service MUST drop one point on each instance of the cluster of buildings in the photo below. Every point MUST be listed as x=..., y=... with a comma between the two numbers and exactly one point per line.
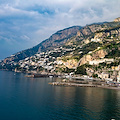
x=109, y=74
x=98, y=61
x=45, y=61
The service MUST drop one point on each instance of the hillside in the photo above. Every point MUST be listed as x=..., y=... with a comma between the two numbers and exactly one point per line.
x=95, y=48
x=101, y=43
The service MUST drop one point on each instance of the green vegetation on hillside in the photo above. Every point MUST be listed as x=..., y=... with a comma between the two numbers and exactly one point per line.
x=81, y=70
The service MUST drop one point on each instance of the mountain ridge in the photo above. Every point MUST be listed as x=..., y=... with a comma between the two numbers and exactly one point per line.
x=60, y=38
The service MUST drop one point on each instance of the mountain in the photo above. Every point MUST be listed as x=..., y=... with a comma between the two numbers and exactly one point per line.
x=57, y=39
x=94, y=47
x=72, y=35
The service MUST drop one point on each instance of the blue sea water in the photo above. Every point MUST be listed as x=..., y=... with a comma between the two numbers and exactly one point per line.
x=24, y=98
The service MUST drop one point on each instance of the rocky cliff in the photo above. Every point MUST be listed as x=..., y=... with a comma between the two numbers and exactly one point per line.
x=90, y=57
x=89, y=31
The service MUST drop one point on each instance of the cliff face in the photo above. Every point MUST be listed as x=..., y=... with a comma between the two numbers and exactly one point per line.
x=94, y=56
x=99, y=54
x=59, y=38
x=85, y=59
x=71, y=63
x=89, y=31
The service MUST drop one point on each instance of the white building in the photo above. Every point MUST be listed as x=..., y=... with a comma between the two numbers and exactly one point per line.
x=96, y=62
x=118, y=77
x=95, y=40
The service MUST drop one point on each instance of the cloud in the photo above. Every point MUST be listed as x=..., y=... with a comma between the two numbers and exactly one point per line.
x=6, y=10
x=31, y=22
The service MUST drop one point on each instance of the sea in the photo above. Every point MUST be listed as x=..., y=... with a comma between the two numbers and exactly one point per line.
x=23, y=98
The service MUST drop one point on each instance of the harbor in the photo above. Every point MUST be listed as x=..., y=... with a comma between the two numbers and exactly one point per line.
x=76, y=81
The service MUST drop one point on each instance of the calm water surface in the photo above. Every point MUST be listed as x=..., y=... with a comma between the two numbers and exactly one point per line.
x=34, y=99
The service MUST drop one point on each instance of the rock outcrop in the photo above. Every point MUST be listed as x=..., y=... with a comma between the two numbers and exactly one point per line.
x=96, y=55
x=85, y=59
x=117, y=19
x=99, y=54
x=71, y=63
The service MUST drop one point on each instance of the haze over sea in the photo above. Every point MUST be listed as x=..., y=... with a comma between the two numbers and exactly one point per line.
x=24, y=98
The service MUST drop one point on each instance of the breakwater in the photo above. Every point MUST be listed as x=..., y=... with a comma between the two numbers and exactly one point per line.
x=72, y=84
x=83, y=85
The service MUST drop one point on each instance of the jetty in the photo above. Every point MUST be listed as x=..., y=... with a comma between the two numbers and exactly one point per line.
x=83, y=84
x=71, y=84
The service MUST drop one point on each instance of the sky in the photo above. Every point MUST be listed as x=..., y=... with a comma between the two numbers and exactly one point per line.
x=24, y=24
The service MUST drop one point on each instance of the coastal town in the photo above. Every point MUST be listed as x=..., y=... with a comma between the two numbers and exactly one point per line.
x=91, y=56
x=46, y=64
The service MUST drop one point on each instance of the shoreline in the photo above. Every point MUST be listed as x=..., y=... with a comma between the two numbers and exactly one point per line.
x=69, y=83
x=108, y=87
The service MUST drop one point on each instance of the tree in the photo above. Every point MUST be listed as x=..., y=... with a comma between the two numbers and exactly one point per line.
x=95, y=75
x=81, y=70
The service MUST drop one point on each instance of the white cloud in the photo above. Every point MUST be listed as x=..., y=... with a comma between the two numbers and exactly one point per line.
x=25, y=37
x=7, y=10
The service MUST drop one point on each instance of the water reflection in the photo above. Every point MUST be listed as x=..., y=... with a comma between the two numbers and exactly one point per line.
x=95, y=103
